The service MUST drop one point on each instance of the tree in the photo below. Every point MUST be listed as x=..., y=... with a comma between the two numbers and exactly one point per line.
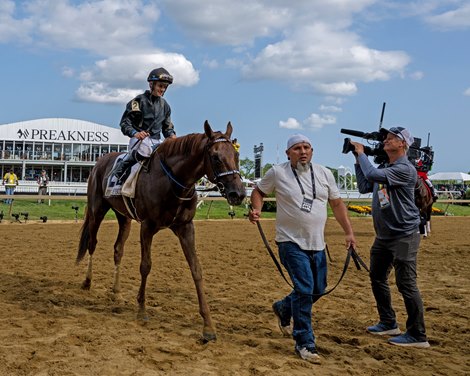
x=266, y=168
x=247, y=167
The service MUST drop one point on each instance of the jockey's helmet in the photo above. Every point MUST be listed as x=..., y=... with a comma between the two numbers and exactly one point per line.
x=160, y=74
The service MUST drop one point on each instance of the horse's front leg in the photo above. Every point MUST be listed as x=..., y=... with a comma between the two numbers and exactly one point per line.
x=124, y=230
x=147, y=231
x=185, y=235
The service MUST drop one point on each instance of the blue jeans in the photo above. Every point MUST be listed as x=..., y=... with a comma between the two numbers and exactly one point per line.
x=9, y=191
x=308, y=272
x=401, y=254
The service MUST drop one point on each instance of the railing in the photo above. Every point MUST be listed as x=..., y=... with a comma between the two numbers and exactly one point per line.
x=54, y=188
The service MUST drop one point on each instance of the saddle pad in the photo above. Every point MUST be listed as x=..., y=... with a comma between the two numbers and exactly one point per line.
x=113, y=188
x=128, y=188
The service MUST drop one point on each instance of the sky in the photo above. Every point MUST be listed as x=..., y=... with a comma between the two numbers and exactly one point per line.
x=272, y=68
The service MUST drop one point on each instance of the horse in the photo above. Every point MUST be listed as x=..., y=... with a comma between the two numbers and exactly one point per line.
x=424, y=201
x=165, y=197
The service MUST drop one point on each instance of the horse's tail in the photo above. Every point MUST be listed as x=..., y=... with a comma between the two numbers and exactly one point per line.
x=84, y=238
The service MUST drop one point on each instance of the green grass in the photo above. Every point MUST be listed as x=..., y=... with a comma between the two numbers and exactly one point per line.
x=62, y=210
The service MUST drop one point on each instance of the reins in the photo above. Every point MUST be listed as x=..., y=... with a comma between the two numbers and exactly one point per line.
x=217, y=175
x=170, y=175
x=351, y=254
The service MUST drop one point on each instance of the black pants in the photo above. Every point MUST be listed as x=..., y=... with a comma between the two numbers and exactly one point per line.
x=401, y=254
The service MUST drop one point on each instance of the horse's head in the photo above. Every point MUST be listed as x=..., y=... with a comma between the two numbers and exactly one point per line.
x=221, y=164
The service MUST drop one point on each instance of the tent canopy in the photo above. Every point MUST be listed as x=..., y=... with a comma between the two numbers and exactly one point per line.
x=450, y=176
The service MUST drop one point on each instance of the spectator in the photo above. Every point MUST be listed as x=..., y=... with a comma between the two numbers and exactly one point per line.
x=10, y=180
x=43, y=182
x=236, y=145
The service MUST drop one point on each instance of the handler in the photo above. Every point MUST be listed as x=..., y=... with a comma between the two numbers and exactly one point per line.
x=396, y=220
x=302, y=190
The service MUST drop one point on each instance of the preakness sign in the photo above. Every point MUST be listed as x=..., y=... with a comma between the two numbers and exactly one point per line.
x=61, y=130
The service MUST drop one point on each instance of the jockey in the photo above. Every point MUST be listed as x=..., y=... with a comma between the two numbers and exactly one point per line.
x=422, y=173
x=145, y=117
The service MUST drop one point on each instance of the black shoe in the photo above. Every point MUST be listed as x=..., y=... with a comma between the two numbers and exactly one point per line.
x=120, y=170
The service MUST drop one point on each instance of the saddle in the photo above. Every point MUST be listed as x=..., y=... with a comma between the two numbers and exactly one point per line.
x=124, y=186
x=423, y=181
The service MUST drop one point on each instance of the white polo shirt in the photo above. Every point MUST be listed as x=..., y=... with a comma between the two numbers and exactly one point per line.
x=293, y=224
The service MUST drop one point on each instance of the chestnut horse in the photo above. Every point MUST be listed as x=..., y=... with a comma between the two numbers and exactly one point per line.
x=165, y=197
x=424, y=201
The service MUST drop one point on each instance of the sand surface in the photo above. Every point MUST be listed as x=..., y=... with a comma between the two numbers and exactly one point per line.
x=49, y=326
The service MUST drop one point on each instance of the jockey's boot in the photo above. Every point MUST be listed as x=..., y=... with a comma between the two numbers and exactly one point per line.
x=119, y=171
x=433, y=190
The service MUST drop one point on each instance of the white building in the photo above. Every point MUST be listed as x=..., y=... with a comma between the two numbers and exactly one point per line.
x=66, y=148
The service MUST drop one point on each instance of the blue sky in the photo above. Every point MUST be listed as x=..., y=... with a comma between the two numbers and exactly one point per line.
x=271, y=67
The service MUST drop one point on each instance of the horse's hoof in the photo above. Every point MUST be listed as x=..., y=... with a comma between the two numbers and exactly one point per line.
x=208, y=337
x=86, y=284
x=116, y=297
x=142, y=318
x=117, y=310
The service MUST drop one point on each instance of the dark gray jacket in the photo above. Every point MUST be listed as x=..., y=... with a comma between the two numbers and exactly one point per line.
x=147, y=113
x=401, y=217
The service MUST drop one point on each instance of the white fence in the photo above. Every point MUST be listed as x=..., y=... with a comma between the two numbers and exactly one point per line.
x=54, y=188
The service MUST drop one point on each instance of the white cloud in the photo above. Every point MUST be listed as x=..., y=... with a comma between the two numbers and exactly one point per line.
x=324, y=108
x=458, y=18
x=467, y=92
x=311, y=43
x=117, y=78
x=211, y=63
x=12, y=29
x=290, y=123
x=316, y=121
x=102, y=93
x=418, y=75
x=101, y=27
x=68, y=72
x=307, y=44
x=227, y=22
x=329, y=61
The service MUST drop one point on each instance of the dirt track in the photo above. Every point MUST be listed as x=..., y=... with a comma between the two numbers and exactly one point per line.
x=49, y=326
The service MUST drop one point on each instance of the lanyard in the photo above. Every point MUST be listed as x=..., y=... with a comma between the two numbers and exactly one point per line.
x=314, y=193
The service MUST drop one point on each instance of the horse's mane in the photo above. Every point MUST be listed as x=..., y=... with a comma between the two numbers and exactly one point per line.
x=184, y=145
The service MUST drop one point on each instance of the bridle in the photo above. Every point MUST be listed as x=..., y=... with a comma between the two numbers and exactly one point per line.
x=217, y=175
x=215, y=172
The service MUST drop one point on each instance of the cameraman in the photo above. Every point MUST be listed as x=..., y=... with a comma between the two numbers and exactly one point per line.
x=396, y=220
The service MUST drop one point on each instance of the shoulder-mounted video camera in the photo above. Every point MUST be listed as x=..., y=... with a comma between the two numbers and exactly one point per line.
x=421, y=157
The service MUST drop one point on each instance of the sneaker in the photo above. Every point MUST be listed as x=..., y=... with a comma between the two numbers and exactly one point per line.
x=283, y=322
x=382, y=329
x=408, y=340
x=309, y=354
